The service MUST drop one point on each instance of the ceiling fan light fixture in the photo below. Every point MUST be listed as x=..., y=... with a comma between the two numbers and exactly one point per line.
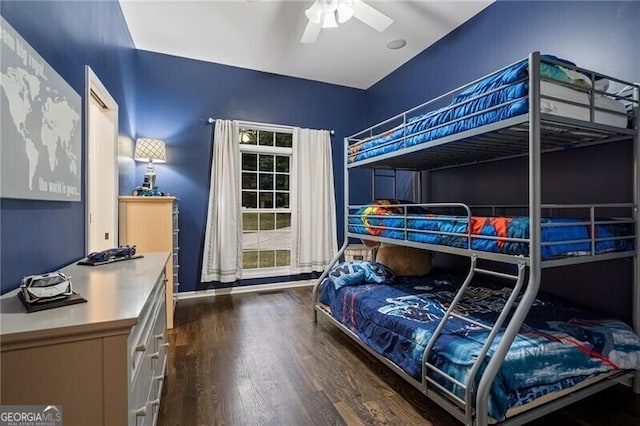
x=329, y=20
x=327, y=14
x=345, y=10
x=314, y=13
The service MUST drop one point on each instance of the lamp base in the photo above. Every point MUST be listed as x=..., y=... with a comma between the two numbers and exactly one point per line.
x=149, y=177
x=149, y=181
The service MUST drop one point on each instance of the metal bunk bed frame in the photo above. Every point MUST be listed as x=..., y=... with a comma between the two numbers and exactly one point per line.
x=473, y=410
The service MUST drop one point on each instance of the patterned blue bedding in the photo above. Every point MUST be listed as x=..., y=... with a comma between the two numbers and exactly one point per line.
x=559, y=345
x=473, y=107
x=384, y=221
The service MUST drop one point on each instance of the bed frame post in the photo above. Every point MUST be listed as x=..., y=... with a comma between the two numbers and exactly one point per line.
x=636, y=200
x=482, y=400
x=345, y=199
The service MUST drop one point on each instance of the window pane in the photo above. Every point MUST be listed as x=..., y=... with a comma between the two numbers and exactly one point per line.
x=282, y=200
x=249, y=162
x=267, y=221
x=247, y=137
x=283, y=257
x=266, y=200
x=284, y=140
x=249, y=259
x=249, y=221
x=282, y=182
x=266, y=163
x=250, y=239
x=265, y=138
x=283, y=220
x=266, y=182
x=249, y=181
x=282, y=164
x=267, y=259
x=249, y=199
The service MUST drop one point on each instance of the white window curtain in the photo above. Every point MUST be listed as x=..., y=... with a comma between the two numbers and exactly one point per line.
x=222, y=257
x=314, y=240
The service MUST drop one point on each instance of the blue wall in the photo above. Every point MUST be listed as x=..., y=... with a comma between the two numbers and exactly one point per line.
x=38, y=236
x=175, y=96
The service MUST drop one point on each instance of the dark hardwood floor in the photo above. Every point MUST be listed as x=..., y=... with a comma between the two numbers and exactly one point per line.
x=258, y=359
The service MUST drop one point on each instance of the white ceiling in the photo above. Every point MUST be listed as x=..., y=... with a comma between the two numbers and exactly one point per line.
x=265, y=35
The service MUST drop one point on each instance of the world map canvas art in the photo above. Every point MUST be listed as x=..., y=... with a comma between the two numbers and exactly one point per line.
x=40, y=149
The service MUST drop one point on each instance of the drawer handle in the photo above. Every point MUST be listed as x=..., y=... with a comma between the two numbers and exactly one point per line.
x=141, y=347
x=160, y=337
x=141, y=412
x=159, y=378
x=164, y=345
x=155, y=402
x=155, y=355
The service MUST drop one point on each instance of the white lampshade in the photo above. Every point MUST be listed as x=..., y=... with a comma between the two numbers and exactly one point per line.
x=150, y=150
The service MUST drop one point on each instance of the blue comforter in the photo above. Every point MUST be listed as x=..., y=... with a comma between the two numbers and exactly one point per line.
x=558, y=346
x=495, y=98
x=387, y=221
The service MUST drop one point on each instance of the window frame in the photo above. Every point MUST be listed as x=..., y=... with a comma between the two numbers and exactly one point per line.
x=275, y=151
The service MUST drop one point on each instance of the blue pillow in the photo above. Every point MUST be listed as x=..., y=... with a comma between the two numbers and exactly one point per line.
x=359, y=271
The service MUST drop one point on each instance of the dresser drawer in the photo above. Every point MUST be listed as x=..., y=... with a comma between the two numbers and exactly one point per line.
x=160, y=338
x=140, y=338
x=159, y=360
x=157, y=357
x=140, y=393
x=146, y=358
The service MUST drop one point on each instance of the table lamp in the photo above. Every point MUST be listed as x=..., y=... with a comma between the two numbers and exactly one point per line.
x=151, y=151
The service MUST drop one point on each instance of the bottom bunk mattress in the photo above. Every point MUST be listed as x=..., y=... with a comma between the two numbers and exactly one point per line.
x=558, y=346
x=560, y=236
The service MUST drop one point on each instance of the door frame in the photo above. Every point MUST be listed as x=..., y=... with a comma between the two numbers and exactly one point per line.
x=95, y=86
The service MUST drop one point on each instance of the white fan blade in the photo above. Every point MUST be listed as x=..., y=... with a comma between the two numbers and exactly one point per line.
x=370, y=16
x=311, y=33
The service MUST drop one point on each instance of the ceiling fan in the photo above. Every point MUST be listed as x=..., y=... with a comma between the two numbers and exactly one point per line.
x=323, y=14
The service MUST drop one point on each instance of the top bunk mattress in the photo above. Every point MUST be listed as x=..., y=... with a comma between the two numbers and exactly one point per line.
x=496, y=98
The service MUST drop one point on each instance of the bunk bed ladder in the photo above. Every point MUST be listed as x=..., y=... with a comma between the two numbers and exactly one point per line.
x=468, y=385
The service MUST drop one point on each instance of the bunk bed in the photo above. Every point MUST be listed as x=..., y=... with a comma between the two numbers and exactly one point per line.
x=463, y=340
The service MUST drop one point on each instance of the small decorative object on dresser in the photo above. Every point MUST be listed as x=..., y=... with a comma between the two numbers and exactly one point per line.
x=47, y=291
x=111, y=255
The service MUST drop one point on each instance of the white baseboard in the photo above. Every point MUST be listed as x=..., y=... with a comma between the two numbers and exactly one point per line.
x=244, y=289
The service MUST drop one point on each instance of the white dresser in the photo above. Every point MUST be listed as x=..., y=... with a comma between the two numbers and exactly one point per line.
x=104, y=361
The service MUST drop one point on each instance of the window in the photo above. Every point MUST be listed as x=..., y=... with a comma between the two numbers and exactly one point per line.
x=266, y=154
